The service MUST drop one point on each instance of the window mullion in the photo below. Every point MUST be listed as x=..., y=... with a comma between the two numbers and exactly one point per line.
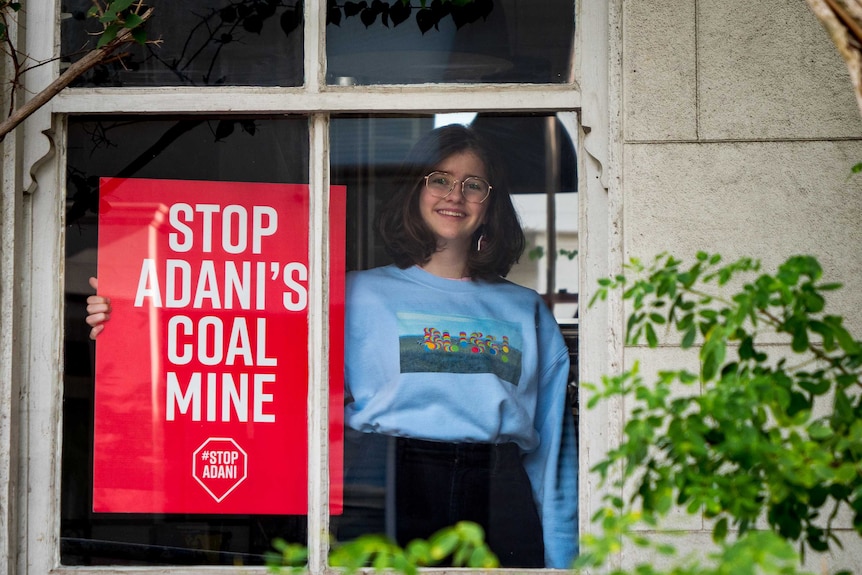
x=315, y=46
x=318, y=350
x=318, y=343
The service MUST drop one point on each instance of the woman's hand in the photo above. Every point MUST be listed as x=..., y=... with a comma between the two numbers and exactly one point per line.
x=98, y=310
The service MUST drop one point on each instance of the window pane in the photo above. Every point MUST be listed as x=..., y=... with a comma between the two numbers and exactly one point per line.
x=435, y=360
x=191, y=148
x=200, y=43
x=524, y=41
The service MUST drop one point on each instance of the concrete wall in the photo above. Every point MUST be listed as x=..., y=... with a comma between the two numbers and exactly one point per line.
x=739, y=131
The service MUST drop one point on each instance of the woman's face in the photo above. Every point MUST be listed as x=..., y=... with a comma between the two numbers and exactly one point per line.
x=452, y=219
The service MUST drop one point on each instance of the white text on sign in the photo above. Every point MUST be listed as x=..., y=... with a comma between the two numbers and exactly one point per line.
x=172, y=286
x=220, y=465
x=234, y=397
x=235, y=227
x=204, y=384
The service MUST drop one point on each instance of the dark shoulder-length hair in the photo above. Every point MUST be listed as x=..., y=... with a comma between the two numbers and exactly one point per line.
x=407, y=239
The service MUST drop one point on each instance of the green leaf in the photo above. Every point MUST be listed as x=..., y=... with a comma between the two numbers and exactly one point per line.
x=843, y=408
x=652, y=339
x=470, y=532
x=634, y=319
x=109, y=34
x=133, y=21
x=820, y=431
x=140, y=35
x=443, y=543
x=815, y=386
x=825, y=332
x=381, y=562
x=712, y=356
x=688, y=337
x=109, y=17
x=746, y=349
x=719, y=533
x=685, y=321
x=708, y=314
x=800, y=339
x=817, y=539
x=461, y=556
x=120, y=5
x=665, y=549
x=536, y=253
x=657, y=318
x=857, y=168
x=420, y=551
x=845, y=340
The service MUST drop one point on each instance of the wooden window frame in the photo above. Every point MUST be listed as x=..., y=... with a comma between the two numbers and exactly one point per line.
x=35, y=160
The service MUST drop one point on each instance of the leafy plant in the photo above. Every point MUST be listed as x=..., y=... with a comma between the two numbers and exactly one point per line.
x=464, y=544
x=571, y=254
x=428, y=15
x=536, y=252
x=745, y=444
x=754, y=553
x=115, y=15
x=122, y=23
x=223, y=26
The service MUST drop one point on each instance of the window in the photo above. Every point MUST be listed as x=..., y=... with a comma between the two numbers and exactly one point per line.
x=367, y=153
x=245, y=149
x=204, y=43
x=251, y=105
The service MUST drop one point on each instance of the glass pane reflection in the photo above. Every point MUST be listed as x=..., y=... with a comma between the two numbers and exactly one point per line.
x=367, y=153
x=384, y=42
x=201, y=43
x=229, y=149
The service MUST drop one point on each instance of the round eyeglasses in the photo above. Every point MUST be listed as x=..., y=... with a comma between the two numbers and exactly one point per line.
x=475, y=190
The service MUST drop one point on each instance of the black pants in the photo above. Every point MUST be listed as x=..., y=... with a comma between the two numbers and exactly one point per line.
x=438, y=484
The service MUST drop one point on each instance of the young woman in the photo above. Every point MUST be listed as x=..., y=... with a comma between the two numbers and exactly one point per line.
x=458, y=373
x=466, y=370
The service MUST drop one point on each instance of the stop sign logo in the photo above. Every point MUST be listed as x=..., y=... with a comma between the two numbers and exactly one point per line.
x=219, y=465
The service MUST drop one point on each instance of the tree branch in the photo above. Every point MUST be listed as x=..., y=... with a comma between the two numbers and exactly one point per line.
x=843, y=22
x=78, y=68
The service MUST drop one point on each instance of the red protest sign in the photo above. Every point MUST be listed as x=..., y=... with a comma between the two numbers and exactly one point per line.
x=201, y=373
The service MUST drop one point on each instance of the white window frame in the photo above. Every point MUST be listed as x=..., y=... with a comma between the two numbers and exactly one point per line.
x=36, y=157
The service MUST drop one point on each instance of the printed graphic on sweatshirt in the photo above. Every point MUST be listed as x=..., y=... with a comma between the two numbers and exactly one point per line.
x=458, y=344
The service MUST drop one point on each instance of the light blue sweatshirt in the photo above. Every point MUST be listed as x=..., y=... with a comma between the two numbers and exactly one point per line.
x=449, y=360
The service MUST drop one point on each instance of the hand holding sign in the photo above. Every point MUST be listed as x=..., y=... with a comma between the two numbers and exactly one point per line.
x=98, y=310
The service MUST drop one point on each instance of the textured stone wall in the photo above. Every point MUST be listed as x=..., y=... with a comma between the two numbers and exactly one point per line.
x=739, y=130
